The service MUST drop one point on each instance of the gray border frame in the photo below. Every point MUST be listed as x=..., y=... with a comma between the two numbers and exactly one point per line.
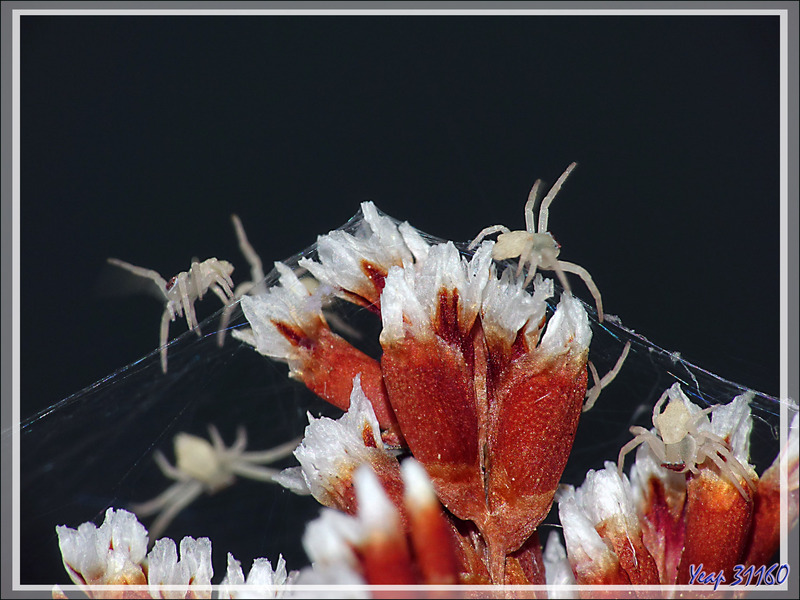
x=7, y=353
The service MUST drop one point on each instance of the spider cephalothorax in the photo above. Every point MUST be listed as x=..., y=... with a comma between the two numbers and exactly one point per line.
x=535, y=246
x=181, y=292
x=202, y=466
x=681, y=446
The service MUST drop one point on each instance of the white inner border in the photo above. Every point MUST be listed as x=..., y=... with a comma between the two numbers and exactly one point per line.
x=15, y=258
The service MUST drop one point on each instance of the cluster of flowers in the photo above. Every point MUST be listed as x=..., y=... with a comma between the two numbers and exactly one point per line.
x=453, y=443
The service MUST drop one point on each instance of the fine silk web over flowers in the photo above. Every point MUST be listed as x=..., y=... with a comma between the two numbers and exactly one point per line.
x=431, y=308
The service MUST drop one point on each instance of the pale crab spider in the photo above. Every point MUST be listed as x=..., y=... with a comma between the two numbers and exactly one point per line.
x=182, y=290
x=200, y=467
x=681, y=446
x=536, y=247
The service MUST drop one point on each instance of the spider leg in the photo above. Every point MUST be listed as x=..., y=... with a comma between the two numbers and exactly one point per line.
x=145, y=509
x=726, y=470
x=164, y=335
x=188, y=305
x=241, y=440
x=530, y=206
x=705, y=411
x=587, y=279
x=557, y=267
x=169, y=470
x=216, y=440
x=699, y=417
x=252, y=472
x=707, y=435
x=611, y=375
x=599, y=384
x=544, y=209
x=171, y=309
x=638, y=430
x=623, y=452
x=224, y=281
x=256, y=268
x=188, y=494
x=642, y=435
x=523, y=258
x=225, y=319
x=526, y=256
x=197, y=278
x=690, y=452
x=142, y=272
x=735, y=465
x=220, y=293
x=241, y=290
x=273, y=454
x=256, y=274
x=531, y=274
x=594, y=392
x=659, y=404
x=533, y=264
x=487, y=231
x=656, y=445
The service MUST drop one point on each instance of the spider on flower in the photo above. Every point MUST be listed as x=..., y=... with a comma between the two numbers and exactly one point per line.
x=681, y=446
x=536, y=247
x=186, y=287
x=200, y=467
x=181, y=291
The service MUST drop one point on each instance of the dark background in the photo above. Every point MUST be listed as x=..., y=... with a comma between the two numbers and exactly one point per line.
x=141, y=135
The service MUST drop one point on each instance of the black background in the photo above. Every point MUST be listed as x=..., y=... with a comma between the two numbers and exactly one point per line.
x=141, y=135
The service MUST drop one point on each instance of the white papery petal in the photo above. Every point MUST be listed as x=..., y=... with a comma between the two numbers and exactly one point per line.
x=234, y=576
x=196, y=559
x=508, y=307
x=567, y=329
x=293, y=480
x=400, y=307
x=290, y=304
x=557, y=569
x=332, y=447
x=193, y=569
x=162, y=567
x=605, y=495
x=375, y=511
x=582, y=540
x=328, y=540
x=412, y=296
x=261, y=582
x=329, y=576
x=105, y=554
x=418, y=490
x=378, y=242
x=734, y=421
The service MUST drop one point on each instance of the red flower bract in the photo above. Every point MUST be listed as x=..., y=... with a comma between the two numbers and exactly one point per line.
x=485, y=391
